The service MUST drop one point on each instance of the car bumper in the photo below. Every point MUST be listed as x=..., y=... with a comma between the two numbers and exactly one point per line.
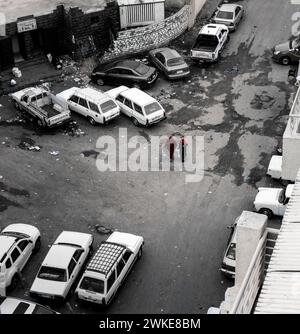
x=44, y=296
x=156, y=121
x=178, y=75
x=55, y=125
x=204, y=60
x=111, y=118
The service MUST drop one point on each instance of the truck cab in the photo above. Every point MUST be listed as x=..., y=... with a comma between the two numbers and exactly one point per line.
x=210, y=43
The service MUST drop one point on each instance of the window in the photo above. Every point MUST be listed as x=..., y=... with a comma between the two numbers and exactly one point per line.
x=24, y=98
x=107, y=106
x=15, y=254
x=126, y=256
x=71, y=267
x=138, y=109
x=176, y=61
x=152, y=107
x=123, y=71
x=52, y=274
x=83, y=103
x=40, y=96
x=111, y=280
x=160, y=57
x=120, y=267
x=77, y=254
x=120, y=98
x=74, y=99
x=8, y=263
x=114, y=71
x=238, y=9
x=128, y=103
x=21, y=308
x=23, y=244
x=225, y=15
x=94, y=107
x=92, y=284
x=33, y=99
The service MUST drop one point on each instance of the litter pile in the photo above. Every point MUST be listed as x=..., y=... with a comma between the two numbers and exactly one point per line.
x=73, y=130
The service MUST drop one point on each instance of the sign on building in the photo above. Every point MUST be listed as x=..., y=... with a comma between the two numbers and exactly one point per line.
x=26, y=25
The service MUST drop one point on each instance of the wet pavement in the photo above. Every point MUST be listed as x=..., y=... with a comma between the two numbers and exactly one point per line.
x=239, y=105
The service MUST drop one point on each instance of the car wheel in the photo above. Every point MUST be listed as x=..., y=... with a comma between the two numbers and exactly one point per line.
x=285, y=61
x=100, y=82
x=228, y=37
x=37, y=246
x=136, y=85
x=91, y=120
x=14, y=282
x=266, y=212
x=135, y=122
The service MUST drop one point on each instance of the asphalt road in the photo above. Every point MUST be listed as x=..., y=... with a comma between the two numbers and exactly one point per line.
x=241, y=115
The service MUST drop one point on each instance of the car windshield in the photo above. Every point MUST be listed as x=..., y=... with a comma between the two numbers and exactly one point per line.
x=151, y=108
x=107, y=106
x=175, y=61
x=53, y=274
x=225, y=15
x=42, y=310
x=142, y=69
x=231, y=251
x=92, y=284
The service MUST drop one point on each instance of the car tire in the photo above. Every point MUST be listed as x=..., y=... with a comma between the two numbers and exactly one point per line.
x=100, y=82
x=37, y=246
x=228, y=37
x=14, y=282
x=285, y=61
x=135, y=122
x=92, y=121
x=266, y=212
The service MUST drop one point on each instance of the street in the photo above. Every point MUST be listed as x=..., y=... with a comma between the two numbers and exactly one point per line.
x=240, y=106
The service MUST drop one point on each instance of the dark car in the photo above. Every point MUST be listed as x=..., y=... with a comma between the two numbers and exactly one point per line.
x=170, y=63
x=126, y=72
x=287, y=53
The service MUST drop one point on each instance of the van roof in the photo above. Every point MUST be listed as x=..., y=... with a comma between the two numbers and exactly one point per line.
x=138, y=96
x=105, y=257
x=96, y=95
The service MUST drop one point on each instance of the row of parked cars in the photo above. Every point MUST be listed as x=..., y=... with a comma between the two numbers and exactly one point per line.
x=105, y=272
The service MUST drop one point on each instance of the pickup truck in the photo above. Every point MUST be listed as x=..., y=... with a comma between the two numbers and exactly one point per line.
x=210, y=43
x=46, y=108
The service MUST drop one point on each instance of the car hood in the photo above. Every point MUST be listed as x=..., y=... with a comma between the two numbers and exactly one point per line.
x=48, y=287
x=267, y=195
x=283, y=47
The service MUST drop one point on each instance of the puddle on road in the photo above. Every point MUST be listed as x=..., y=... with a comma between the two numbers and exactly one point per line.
x=4, y=202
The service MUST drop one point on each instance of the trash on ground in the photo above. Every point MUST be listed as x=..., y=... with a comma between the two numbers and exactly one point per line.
x=54, y=153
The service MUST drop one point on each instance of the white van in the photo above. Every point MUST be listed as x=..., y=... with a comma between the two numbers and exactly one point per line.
x=109, y=267
x=142, y=108
x=92, y=103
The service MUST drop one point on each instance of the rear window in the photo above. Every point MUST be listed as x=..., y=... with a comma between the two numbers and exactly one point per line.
x=225, y=15
x=151, y=108
x=53, y=274
x=107, y=106
x=175, y=62
x=92, y=284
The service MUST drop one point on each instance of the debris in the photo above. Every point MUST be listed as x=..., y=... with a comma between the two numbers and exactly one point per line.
x=233, y=70
x=29, y=145
x=54, y=153
x=102, y=229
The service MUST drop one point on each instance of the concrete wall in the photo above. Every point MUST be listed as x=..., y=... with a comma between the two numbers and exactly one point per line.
x=140, y=40
x=291, y=158
x=196, y=6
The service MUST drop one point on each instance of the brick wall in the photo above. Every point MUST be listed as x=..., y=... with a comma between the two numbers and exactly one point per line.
x=135, y=41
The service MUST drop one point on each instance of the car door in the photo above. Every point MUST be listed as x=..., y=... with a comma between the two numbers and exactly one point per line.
x=112, y=285
x=72, y=270
x=114, y=76
x=83, y=107
x=120, y=100
x=128, y=260
x=129, y=77
x=138, y=114
x=128, y=109
x=25, y=247
x=73, y=103
x=16, y=258
x=94, y=112
x=160, y=61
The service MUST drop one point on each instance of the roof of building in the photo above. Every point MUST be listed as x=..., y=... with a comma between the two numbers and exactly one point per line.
x=281, y=288
x=105, y=257
x=14, y=9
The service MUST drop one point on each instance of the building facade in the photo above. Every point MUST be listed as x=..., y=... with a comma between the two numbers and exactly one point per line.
x=72, y=30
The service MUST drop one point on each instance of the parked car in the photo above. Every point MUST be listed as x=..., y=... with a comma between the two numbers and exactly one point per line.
x=229, y=259
x=230, y=15
x=287, y=53
x=17, y=243
x=9, y=305
x=90, y=102
x=61, y=266
x=125, y=72
x=41, y=105
x=170, y=62
x=210, y=43
x=272, y=201
x=275, y=167
x=142, y=108
x=109, y=267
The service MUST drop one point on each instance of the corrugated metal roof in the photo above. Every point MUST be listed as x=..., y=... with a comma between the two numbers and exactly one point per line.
x=136, y=2
x=281, y=288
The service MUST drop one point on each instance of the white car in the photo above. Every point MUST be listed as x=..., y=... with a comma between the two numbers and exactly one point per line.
x=272, y=201
x=17, y=243
x=275, y=167
x=229, y=14
x=109, y=267
x=61, y=266
x=10, y=305
x=91, y=103
x=140, y=107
